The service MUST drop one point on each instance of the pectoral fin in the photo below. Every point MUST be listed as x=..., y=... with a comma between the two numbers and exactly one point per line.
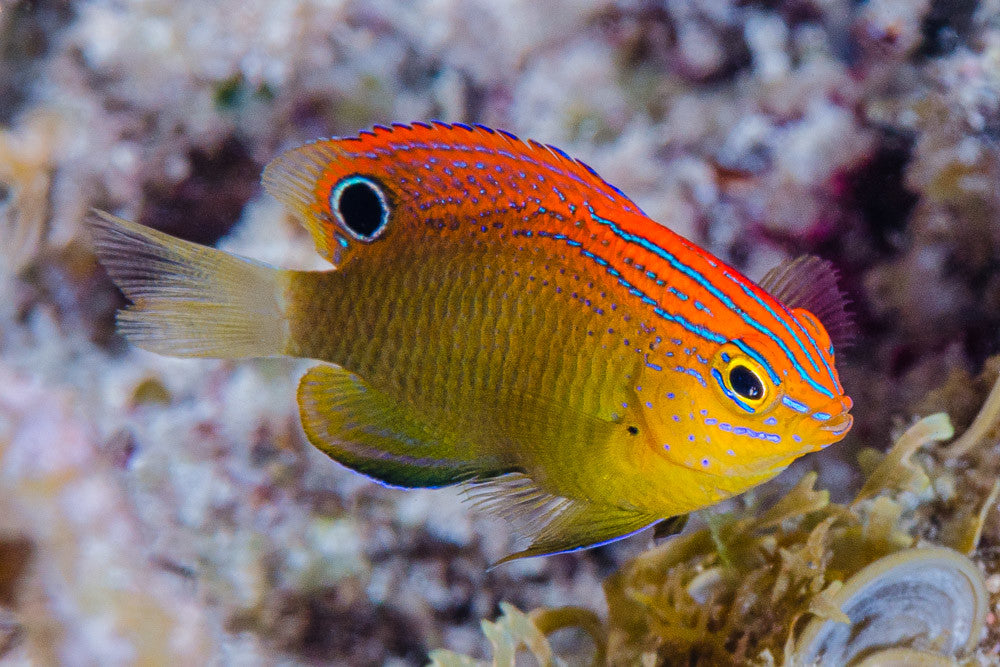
x=387, y=440
x=582, y=526
x=554, y=524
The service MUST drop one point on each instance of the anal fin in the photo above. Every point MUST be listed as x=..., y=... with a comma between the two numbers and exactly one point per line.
x=555, y=524
x=369, y=432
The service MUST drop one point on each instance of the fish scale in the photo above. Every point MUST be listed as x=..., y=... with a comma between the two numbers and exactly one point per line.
x=444, y=306
x=500, y=316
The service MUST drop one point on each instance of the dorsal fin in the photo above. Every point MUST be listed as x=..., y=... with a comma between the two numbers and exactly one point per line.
x=291, y=179
x=434, y=170
x=810, y=283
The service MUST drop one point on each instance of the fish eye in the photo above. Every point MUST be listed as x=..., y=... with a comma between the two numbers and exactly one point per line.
x=742, y=379
x=745, y=383
x=360, y=207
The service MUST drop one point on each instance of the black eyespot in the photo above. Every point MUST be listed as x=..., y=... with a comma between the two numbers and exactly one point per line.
x=746, y=383
x=633, y=430
x=361, y=207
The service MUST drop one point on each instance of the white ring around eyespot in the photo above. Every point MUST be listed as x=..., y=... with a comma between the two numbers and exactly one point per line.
x=335, y=195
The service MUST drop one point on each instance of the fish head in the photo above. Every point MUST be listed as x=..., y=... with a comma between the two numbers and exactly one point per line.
x=827, y=417
x=764, y=401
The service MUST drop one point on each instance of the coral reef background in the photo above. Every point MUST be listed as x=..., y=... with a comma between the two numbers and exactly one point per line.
x=170, y=510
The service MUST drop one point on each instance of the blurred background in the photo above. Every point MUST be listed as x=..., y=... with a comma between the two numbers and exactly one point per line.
x=167, y=510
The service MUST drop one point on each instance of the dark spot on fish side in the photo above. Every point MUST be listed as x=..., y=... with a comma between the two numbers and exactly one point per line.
x=362, y=208
x=633, y=430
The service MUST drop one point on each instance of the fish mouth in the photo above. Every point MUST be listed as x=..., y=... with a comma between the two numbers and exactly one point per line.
x=839, y=425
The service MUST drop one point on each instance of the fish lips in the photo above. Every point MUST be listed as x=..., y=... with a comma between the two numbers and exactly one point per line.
x=839, y=425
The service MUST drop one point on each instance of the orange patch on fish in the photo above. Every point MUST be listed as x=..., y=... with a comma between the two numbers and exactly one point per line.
x=501, y=317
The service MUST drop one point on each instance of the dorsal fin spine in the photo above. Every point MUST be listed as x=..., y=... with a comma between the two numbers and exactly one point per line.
x=811, y=283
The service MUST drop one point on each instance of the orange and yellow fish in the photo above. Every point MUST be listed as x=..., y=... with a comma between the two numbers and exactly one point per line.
x=499, y=316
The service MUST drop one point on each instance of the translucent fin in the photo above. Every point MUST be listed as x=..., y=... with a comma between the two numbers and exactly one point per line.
x=371, y=433
x=810, y=283
x=190, y=300
x=554, y=524
x=292, y=178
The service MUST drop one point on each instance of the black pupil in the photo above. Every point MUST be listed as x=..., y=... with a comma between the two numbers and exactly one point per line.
x=361, y=209
x=746, y=383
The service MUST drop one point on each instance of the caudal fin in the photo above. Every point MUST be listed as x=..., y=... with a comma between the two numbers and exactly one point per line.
x=190, y=300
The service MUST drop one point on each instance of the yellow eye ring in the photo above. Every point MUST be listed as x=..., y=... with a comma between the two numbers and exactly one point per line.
x=742, y=380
